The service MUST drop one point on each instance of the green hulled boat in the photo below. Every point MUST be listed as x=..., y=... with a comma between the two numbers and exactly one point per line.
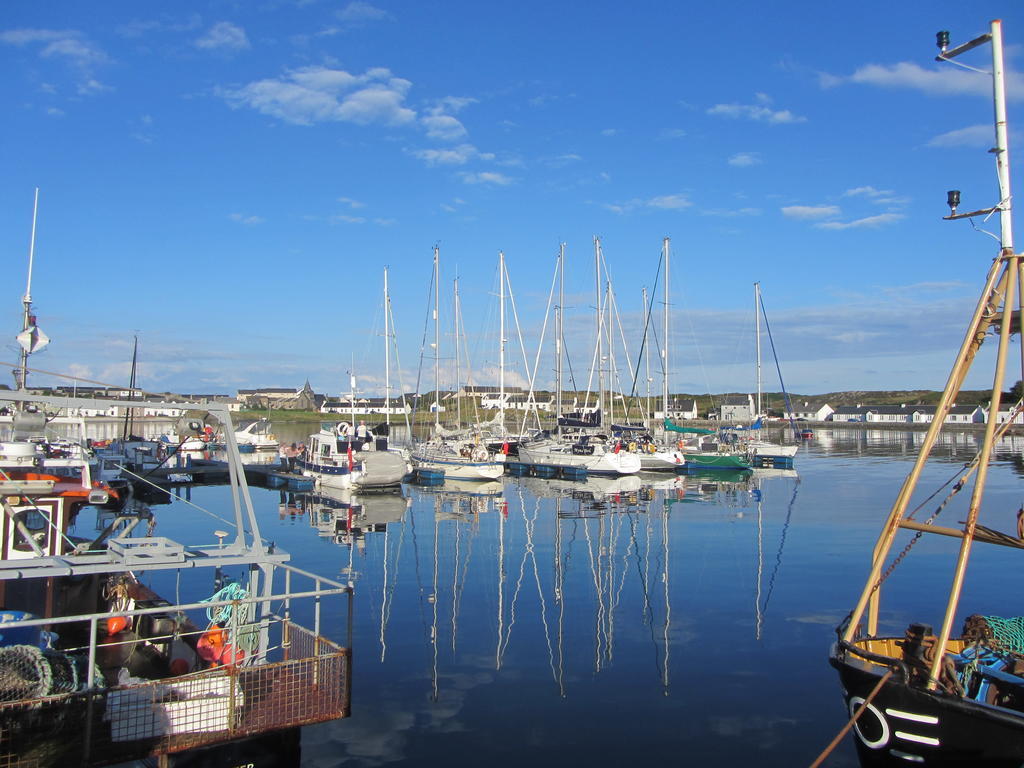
x=716, y=461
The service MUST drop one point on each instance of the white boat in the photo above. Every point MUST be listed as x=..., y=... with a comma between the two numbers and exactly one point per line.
x=590, y=452
x=334, y=462
x=257, y=436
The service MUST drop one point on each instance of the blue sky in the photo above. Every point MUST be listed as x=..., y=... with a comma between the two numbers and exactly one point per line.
x=228, y=180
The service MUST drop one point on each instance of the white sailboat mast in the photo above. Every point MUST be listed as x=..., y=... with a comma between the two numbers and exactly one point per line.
x=437, y=340
x=387, y=354
x=26, y=322
x=458, y=372
x=501, y=334
x=600, y=331
x=757, y=335
x=665, y=335
x=647, y=359
x=558, y=332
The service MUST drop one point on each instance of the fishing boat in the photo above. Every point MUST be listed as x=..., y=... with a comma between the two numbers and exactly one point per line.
x=97, y=668
x=342, y=461
x=929, y=694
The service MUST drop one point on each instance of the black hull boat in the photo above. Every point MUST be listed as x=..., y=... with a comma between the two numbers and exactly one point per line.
x=905, y=724
x=932, y=697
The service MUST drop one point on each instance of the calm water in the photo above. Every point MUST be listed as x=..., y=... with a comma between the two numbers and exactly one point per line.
x=601, y=623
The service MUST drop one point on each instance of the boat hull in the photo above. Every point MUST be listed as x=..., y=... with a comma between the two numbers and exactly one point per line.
x=905, y=725
x=460, y=469
x=556, y=455
x=772, y=450
x=701, y=461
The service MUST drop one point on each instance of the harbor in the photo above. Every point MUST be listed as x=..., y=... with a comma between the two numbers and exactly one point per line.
x=378, y=400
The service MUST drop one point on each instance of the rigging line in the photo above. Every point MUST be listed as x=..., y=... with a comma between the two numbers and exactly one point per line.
x=785, y=394
x=531, y=524
x=614, y=308
x=527, y=548
x=540, y=345
x=778, y=555
x=519, y=334
x=173, y=495
x=419, y=579
x=647, y=326
x=398, y=371
x=423, y=342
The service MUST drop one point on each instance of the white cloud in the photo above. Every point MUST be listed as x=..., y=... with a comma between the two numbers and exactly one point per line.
x=459, y=155
x=971, y=136
x=745, y=159
x=674, y=202
x=487, y=177
x=760, y=112
x=242, y=218
x=68, y=46
x=351, y=203
x=443, y=127
x=610, y=132
x=869, y=221
x=731, y=213
x=223, y=36
x=869, y=192
x=319, y=94
x=55, y=112
x=346, y=219
x=673, y=133
x=810, y=211
x=358, y=11
x=940, y=80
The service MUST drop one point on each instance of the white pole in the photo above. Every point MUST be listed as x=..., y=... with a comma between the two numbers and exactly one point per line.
x=458, y=373
x=1002, y=150
x=27, y=300
x=437, y=341
x=664, y=339
x=647, y=360
x=757, y=327
x=600, y=331
x=558, y=334
x=501, y=339
x=387, y=357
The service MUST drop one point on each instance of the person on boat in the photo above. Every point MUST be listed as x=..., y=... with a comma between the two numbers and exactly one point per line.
x=363, y=432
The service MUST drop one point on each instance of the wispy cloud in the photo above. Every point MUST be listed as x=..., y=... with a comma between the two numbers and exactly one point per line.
x=351, y=203
x=935, y=81
x=674, y=202
x=810, y=212
x=760, y=111
x=242, y=218
x=610, y=132
x=731, y=213
x=971, y=136
x=487, y=177
x=673, y=133
x=361, y=12
x=459, y=155
x=443, y=127
x=880, y=220
x=65, y=45
x=223, y=36
x=745, y=159
x=319, y=94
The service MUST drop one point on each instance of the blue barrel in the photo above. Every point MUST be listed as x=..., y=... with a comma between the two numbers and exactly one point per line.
x=18, y=635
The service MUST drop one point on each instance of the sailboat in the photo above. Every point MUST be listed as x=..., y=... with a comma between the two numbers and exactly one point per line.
x=763, y=452
x=928, y=695
x=459, y=455
x=586, y=451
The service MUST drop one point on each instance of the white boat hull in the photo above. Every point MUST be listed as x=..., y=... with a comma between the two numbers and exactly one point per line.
x=600, y=462
x=460, y=469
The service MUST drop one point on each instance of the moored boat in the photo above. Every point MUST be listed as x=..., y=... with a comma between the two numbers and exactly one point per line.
x=933, y=696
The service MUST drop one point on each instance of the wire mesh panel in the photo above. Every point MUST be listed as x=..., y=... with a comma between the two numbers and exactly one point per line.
x=178, y=713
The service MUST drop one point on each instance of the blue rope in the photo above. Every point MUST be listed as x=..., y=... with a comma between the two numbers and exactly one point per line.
x=222, y=614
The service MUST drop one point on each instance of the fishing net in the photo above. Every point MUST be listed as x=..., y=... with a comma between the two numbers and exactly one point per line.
x=24, y=673
x=996, y=632
x=64, y=674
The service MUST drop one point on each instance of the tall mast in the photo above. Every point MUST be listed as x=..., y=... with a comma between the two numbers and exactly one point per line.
x=664, y=337
x=647, y=360
x=558, y=333
x=600, y=331
x=437, y=342
x=757, y=335
x=27, y=322
x=387, y=357
x=501, y=339
x=458, y=373
x=128, y=413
